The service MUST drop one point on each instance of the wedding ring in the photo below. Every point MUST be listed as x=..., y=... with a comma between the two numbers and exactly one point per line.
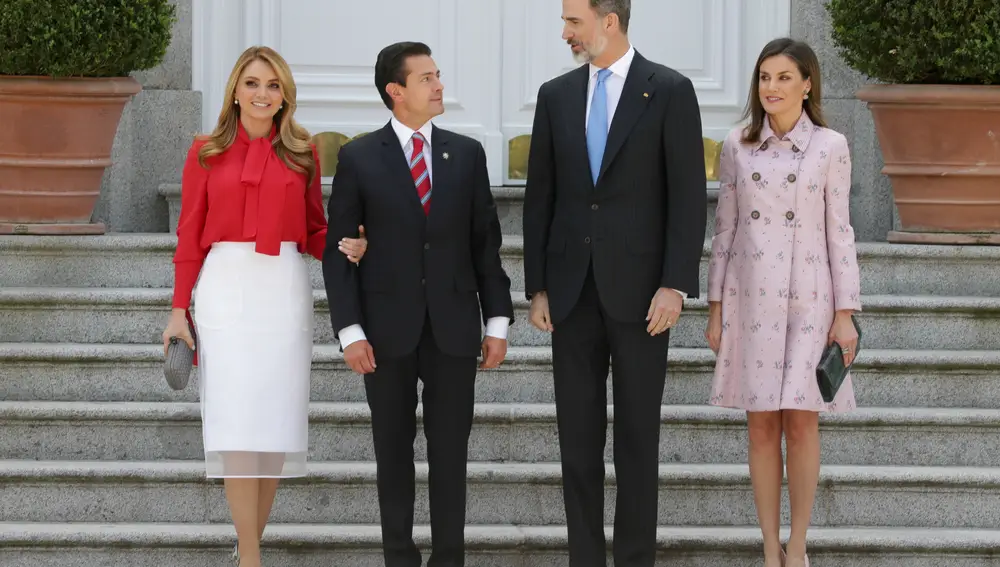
x=847, y=351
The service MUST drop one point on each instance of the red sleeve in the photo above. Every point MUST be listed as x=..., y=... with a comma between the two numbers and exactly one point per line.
x=315, y=218
x=190, y=254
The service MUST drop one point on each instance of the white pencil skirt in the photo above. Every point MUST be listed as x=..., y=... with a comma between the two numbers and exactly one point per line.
x=254, y=317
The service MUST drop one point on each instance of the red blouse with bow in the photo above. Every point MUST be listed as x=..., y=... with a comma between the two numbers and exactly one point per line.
x=246, y=195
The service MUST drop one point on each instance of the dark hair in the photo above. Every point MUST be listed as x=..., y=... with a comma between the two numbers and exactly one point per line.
x=621, y=8
x=390, y=67
x=808, y=64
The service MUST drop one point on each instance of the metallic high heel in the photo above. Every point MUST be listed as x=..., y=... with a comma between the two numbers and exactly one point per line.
x=235, y=558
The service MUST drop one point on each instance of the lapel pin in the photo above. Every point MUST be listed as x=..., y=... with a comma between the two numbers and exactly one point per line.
x=445, y=155
x=645, y=95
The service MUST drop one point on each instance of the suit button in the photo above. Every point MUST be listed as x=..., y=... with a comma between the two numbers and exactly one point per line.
x=594, y=207
x=423, y=281
x=789, y=215
x=791, y=178
x=755, y=215
x=763, y=147
x=427, y=245
x=795, y=149
x=586, y=240
x=756, y=176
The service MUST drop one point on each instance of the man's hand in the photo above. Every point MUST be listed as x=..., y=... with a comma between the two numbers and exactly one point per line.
x=664, y=310
x=538, y=314
x=360, y=357
x=494, y=351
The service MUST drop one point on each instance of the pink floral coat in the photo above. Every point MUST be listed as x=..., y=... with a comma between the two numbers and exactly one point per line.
x=783, y=260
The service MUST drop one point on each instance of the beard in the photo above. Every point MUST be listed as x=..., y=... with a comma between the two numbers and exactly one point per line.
x=589, y=52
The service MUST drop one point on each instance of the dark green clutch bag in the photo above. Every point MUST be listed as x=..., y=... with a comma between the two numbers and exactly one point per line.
x=831, y=370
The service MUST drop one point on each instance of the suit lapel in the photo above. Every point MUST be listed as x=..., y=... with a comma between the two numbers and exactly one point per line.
x=397, y=168
x=441, y=169
x=636, y=94
x=575, y=104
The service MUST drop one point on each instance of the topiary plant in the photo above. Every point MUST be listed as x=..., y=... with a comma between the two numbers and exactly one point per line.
x=920, y=41
x=83, y=38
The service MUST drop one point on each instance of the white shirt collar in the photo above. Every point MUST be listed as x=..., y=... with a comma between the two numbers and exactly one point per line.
x=620, y=67
x=404, y=132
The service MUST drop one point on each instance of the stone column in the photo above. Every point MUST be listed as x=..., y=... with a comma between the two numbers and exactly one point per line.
x=872, y=208
x=153, y=137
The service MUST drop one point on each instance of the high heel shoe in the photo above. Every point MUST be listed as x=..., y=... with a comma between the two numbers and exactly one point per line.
x=235, y=558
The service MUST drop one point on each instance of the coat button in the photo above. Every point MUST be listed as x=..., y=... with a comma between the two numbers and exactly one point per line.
x=593, y=207
x=789, y=215
x=586, y=240
x=763, y=146
x=755, y=215
x=791, y=178
x=427, y=245
x=756, y=176
x=795, y=149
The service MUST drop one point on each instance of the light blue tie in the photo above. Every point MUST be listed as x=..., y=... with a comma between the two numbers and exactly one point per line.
x=597, y=125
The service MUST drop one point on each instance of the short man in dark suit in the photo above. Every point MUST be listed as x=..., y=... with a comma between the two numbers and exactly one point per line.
x=614, y=225
x=414, y=306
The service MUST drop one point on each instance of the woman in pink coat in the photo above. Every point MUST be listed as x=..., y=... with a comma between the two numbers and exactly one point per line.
x=783, y=282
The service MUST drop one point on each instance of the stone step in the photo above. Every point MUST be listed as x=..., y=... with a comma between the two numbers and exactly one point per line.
x=132, y=431
x=498, y=493
x=144, y=260
x=125, y=373
x=136, y=315
x=321, y=545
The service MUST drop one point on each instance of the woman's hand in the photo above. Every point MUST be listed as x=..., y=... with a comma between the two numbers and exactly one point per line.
x=843, y=333
x=713, y=334
x=354, y=248
x=177, y=326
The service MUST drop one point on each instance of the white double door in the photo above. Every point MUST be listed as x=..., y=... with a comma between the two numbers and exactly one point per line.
x=493, y=56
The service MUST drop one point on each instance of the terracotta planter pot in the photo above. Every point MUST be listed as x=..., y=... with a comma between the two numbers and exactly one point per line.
x=941, y=146
x=55, y=143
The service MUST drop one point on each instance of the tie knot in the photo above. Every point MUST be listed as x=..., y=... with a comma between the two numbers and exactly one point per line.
x=418, y=137
x=603, y=75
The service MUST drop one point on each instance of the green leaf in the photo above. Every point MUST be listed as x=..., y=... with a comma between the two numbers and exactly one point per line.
x=919, y=41
x=83, y=38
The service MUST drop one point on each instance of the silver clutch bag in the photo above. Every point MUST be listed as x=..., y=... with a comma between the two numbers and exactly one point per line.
x=179, y=361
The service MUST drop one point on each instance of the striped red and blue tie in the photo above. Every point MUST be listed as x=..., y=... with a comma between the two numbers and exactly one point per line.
x=418, y=170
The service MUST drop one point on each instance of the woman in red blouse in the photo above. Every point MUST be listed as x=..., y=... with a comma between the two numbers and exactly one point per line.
x=250, y=207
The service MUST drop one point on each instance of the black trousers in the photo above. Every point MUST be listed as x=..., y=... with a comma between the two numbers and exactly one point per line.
x=448, y=401
x=582, y=345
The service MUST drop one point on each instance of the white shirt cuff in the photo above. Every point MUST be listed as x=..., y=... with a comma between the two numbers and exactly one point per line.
x=683, y=295
x=497, y=327
x=351, y=334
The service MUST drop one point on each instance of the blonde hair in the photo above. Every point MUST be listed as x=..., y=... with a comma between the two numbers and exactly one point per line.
x=292, y=144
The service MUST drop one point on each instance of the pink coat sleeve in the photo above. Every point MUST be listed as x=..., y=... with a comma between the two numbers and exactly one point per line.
x=726, y=219
x=839, y=232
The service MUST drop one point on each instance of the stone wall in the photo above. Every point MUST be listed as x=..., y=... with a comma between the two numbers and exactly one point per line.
x=872, y=208
x=152, y=140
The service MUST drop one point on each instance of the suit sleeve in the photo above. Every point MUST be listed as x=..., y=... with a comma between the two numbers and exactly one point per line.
x=839, y=232
x=190, y=254
x=316, y=225
x=539, y=198
x=726, y=220
x=687, y=202
x=346, y=212
x=493, y=282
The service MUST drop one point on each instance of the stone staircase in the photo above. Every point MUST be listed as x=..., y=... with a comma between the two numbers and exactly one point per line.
x=100, y=460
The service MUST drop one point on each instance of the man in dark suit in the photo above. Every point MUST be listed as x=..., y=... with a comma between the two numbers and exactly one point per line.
x=410, y=308
x=614, y=225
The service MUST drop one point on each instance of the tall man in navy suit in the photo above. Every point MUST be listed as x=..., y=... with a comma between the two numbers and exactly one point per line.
x=614, y=225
